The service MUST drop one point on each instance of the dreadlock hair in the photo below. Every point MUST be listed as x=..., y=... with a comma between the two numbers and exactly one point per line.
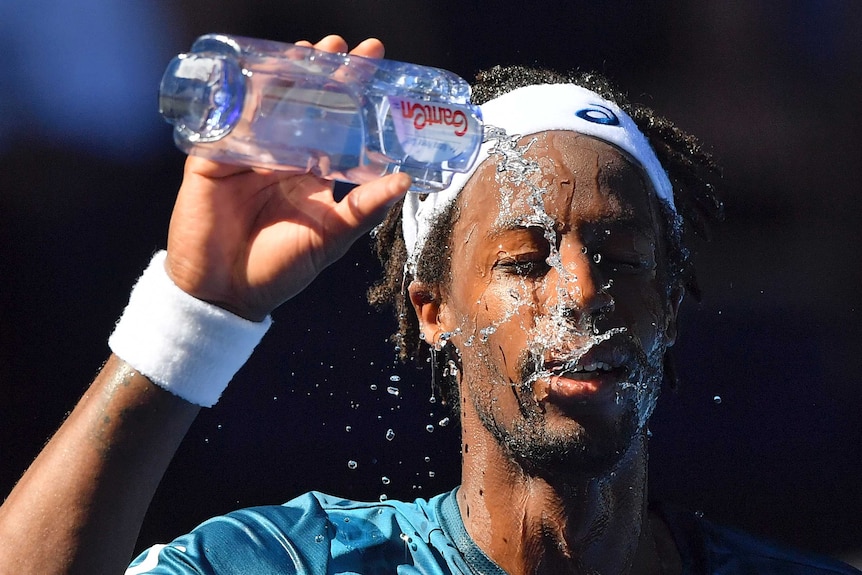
x=692, y=171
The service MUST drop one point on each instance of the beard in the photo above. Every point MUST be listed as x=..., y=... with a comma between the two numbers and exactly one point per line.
x=547, y=442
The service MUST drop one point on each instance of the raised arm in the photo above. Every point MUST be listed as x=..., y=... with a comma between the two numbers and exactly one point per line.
x=245, y=240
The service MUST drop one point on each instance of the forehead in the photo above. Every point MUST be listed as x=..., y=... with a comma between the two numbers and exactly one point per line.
x=565, y=179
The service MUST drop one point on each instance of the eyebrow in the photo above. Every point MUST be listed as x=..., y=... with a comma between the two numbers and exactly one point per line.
x=514, y=224
x=527, y=222
x=624, y=221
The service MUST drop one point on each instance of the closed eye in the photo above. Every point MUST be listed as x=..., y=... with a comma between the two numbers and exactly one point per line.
x=524, y=267
x=627, y=262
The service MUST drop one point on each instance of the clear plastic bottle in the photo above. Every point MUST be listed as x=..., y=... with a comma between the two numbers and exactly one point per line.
x=268, y=104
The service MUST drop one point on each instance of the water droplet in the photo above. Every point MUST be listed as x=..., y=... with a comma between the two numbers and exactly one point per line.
x=716, y=399
x=348, y=429
x=383, y=497
x=432, y=399
x=394, y=378
x=393, y=391
x=431, y=474
x=373, y=387
x=352, y=464
x=318, y=538
x=443, y=422
x=427, y=459
x=597, y=258
x=384, y=480
x=429, y=428
x=390, y=435
x=698, y=513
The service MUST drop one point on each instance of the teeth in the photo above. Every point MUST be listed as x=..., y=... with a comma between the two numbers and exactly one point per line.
x=597, y=366
x=582, y=368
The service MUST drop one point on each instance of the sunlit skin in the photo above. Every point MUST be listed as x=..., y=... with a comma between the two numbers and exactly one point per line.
x=554, y=474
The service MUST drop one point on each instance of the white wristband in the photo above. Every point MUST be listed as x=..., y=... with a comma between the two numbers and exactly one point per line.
x=182, y=344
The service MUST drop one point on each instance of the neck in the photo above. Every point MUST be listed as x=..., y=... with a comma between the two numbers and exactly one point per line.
x=540, y=523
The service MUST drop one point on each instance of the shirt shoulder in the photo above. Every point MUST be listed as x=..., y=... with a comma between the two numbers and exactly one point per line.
x=711, y=549
x=313, y=533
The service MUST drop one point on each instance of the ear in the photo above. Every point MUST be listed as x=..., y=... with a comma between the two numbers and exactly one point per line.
x=676, y=297
x=427, y=305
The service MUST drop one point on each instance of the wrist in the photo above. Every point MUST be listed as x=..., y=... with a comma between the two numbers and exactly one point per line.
x=183, y=344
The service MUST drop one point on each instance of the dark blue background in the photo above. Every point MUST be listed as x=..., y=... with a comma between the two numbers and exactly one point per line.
x=89, y=175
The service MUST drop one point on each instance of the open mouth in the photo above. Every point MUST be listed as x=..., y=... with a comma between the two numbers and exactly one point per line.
x=576, y=369
x=597, y=360
x=591, y=375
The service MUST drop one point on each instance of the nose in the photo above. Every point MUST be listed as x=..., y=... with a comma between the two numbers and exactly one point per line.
x=576, y=287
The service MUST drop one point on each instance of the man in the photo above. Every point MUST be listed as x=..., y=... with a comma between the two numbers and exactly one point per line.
x=546, y=284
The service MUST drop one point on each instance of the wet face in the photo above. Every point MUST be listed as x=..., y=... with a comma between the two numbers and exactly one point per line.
x=557, y=301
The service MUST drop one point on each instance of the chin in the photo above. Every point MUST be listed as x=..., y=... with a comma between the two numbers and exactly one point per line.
x=581, y=448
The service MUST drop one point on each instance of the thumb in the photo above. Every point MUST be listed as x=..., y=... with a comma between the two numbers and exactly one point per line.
x=365, y=205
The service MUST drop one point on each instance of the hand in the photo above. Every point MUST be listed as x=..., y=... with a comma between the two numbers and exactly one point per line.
x=248, y=239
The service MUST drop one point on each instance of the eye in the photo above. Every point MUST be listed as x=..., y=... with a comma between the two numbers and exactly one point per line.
x=622, y=250
x=523, y=266
x=624, y=261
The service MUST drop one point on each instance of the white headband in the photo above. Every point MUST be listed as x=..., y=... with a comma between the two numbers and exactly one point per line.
x=530, y=110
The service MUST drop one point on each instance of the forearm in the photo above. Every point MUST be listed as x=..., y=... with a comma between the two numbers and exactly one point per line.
x=79, y=507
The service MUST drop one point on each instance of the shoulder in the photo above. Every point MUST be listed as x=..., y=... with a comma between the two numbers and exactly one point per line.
x=708, y=548
x=308, y=534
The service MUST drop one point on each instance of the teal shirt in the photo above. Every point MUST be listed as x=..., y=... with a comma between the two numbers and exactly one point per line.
x=318, y=534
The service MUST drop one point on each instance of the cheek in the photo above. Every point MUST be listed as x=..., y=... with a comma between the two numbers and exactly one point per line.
x=502, y=314
x=495, y=329
x=644, y=309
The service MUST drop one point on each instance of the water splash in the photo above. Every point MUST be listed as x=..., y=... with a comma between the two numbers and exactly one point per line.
x=562, y=324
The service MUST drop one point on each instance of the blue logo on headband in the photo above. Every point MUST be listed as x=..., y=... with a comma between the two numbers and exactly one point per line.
x=598, y=115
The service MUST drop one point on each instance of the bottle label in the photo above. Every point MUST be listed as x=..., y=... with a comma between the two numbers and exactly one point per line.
x=431, y=131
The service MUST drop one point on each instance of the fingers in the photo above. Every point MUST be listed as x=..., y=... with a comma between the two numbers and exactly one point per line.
x=200, y=166
x=369, y=48
x=366, y=205
x=332, y=43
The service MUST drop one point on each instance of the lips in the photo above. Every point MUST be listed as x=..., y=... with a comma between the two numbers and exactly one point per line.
x=594, y=374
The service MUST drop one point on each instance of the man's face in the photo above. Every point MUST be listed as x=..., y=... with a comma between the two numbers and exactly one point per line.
x=558, y=301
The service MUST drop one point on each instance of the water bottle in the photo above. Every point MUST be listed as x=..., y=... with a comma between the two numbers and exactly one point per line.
x=341, y=117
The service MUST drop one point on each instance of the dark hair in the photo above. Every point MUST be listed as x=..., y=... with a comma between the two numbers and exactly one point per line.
x=691, y=170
